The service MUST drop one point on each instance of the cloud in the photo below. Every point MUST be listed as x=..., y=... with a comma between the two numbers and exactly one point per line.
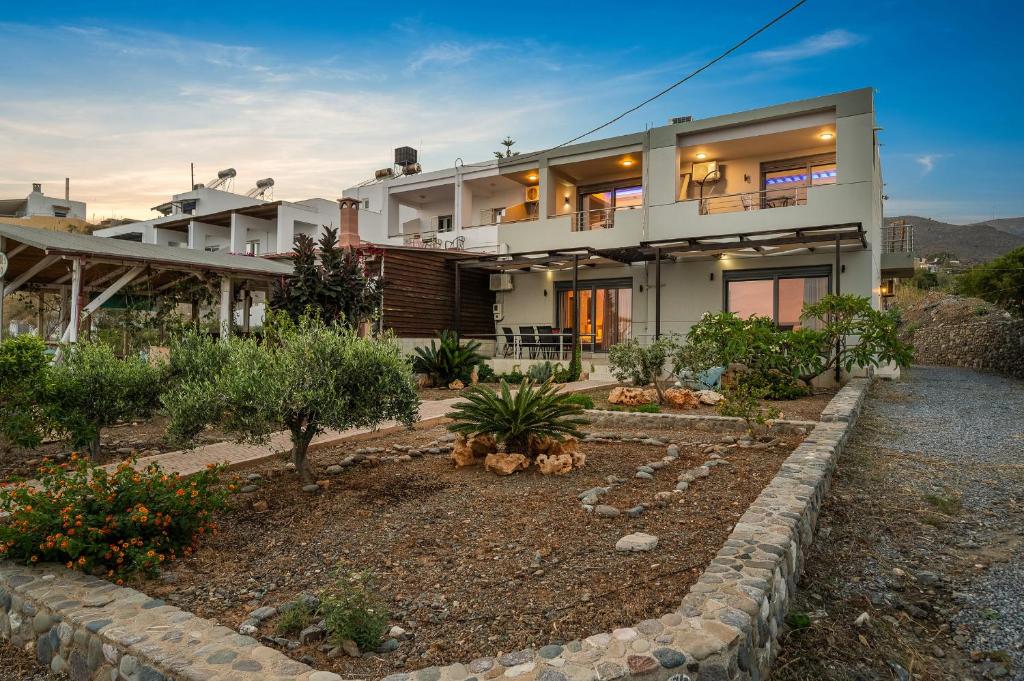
x=448, y=54
x=811, y=46
x=927, y=162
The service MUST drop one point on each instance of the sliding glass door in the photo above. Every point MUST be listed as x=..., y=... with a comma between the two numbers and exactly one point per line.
x=779, y=294
x=606, y=311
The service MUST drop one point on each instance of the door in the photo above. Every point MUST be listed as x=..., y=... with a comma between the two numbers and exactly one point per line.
x=606, y=309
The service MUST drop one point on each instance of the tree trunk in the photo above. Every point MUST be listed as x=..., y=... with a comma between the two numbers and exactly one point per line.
x=94, y=447
x=300, y=446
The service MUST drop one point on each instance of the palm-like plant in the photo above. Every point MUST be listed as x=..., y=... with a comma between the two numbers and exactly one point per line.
x=534, y=411
x=448, y=361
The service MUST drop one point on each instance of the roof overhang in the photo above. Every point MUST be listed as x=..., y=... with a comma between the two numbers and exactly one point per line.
x=263, y=211
x=546, y=260
x=788, y=241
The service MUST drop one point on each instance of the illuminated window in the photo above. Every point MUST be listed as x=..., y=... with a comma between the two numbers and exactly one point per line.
x=777, y=294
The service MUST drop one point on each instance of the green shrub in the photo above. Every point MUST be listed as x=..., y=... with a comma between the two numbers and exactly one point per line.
x=585, y=401
x=295, y=616
x=775, y=384
x=305, y=377
x=112, y=524
x=448, y=361
x=534, y=411
x=485, y=373
x=639, y=364
x=91, y=389
x=24, y=370
x=353, y=611
x=744, y=401
x=1000, y=281
x=651, y=408
x=196, y=356
x=540, y=373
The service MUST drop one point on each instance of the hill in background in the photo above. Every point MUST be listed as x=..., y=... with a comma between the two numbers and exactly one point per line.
x=978, y=242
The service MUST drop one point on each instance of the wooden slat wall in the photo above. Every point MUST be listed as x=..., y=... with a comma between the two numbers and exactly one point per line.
x=419, y=295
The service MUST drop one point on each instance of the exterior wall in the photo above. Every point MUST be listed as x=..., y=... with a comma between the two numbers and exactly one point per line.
x=39, y=204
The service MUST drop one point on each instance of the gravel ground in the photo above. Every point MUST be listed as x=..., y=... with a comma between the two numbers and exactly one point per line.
x=923, y=533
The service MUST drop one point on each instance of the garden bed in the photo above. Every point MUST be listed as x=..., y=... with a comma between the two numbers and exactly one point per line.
x=802, y=409
x=471, y=564
x=140, y=438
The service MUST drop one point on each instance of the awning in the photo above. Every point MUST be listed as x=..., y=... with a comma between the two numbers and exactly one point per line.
x=545, y=260
x=789, y=241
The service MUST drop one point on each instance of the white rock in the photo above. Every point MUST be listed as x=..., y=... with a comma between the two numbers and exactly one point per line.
x=638, y=541
x=396, y=632
x=862, y=619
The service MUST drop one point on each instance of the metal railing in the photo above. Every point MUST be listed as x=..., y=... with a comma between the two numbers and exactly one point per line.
x=588, y=220
x=434, y=240
x=759, y=200
x=898, y=237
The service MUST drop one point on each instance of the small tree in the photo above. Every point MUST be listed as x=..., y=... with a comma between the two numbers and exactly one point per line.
x=91, y=389
x=337, y=288
x=640, y=364
x=1000, y=282
x=745, y=401
x=850, y=334
x=23, y=376
x=448, y=361
x=306, y=377
x=507, y=153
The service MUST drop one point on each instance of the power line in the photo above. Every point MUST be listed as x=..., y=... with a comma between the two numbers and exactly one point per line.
x=665, y=90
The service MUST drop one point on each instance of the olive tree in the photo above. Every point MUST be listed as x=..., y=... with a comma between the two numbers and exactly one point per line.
x=91, y=389
x=304, y=377
x=23, y=376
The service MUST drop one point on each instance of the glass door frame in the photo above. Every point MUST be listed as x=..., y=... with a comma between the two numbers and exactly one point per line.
x=773, y=275
x=590, y=285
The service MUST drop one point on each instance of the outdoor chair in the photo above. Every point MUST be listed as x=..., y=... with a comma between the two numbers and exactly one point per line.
x=528, y=341
x=548, y=343
x=510, y=342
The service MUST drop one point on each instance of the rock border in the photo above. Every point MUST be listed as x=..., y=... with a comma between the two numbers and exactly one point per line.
x=726, y=628
x=705, y=422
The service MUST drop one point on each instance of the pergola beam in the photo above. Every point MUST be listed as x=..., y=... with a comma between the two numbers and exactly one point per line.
x=45, y=262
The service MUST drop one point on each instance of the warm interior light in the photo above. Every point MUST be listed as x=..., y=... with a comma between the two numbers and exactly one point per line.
x=701, y=156
x=628, y=162
x=826, y=136
x=531, y=178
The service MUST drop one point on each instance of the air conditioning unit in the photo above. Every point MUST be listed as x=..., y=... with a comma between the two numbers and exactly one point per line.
x=533, y=194
x=708, y=171
x=501, y=282
x=498, y=313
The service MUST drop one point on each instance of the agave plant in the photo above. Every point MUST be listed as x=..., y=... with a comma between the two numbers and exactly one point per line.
x=534, y=411
x=448, y=361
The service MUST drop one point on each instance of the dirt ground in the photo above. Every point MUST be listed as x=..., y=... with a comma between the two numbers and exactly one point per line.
x=469, y=563
x=18, y=665
x=140, y=438
x=804, y=409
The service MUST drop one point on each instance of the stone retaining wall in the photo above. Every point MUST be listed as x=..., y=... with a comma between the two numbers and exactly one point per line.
x=994, y=344
x=91, y=630
x=726, y=628
x=705, y=422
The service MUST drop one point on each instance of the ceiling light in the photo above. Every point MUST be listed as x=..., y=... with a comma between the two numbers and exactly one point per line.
x=531, y=178
x=701, y=156
x=826, y=136
x=628, y=162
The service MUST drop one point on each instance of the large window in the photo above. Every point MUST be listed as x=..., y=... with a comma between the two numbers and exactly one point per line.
x=445, y=223
x=597, y=202
x=778, y=294
x=606, y=311
x=785, y=181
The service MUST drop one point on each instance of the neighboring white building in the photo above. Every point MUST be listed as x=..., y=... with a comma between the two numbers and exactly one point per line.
x=216, y=220
x=37, y=204
x=741, y=212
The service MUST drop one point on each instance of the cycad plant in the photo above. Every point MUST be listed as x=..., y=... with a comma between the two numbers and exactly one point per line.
x=534, y=411
x=448, y=361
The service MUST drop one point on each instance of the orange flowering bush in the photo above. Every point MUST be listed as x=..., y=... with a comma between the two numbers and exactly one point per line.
x=108, y=523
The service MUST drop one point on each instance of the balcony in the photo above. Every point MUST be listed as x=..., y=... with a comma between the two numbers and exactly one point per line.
x=897, y=250
x=598, y=218
x=748, y=201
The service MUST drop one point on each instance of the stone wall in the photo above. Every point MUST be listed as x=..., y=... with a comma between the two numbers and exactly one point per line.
x=726, y=628
x=706, y=422
x=91, y=630
x=994, y=343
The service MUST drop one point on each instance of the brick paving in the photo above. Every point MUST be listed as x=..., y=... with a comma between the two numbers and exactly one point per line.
x=234, y=455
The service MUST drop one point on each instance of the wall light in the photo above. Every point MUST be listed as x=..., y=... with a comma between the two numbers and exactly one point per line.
x=701, y=156
x=567, y=202
x=826, y=136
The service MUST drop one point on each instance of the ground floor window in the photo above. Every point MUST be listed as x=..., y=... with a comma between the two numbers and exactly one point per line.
x=252, y=247
x=777, y=293
x=606, y=311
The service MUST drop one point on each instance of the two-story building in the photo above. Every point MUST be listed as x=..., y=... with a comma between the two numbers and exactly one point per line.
x=754, y=212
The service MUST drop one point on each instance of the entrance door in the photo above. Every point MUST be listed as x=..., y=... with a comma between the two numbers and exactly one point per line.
x=606, y=309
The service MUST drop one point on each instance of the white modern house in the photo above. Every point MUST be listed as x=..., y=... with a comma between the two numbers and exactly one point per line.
x=755, y=212
x=211, y=218
x=39, y=205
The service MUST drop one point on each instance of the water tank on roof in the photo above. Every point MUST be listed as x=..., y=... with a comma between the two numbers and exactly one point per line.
x=405, y=156
x=226, y=173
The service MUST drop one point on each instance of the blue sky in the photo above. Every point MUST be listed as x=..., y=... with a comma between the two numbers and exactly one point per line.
x=122, y=96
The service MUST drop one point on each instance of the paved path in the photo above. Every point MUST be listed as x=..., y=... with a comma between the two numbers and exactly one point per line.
x=232, y=454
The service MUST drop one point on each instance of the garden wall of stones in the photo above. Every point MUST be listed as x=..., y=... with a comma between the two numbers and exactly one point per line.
x=725, y=630
x=992, y=344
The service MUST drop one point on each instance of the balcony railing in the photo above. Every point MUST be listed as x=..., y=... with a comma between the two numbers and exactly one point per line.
x=434, y=240
x=599, y=218
x=760, y=200
x=898, y=238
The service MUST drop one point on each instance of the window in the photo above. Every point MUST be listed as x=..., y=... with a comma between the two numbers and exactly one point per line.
x=189, y=207
x=212, y=249
x=60, y=212
x=778, y=294
x=252, y=247
x=366, y=204
x=785, y=181
x=445, y=223
x=606, y=311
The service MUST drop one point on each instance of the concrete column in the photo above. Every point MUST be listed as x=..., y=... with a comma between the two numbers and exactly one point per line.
x=76, y=303
x=548, y=186
x=285, y=234
x=239, y=234
x=246, y=310
x=225, y=308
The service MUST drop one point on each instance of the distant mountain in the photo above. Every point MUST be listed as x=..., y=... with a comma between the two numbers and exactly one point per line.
x=1009, y=225
x=974, y=243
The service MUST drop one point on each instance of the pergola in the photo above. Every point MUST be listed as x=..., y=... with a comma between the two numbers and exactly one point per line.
x=767, y=243
x=87, y=271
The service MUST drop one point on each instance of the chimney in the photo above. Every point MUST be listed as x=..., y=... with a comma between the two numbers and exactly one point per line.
x=67, y=188
x=348, y=234
x=37, y=188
